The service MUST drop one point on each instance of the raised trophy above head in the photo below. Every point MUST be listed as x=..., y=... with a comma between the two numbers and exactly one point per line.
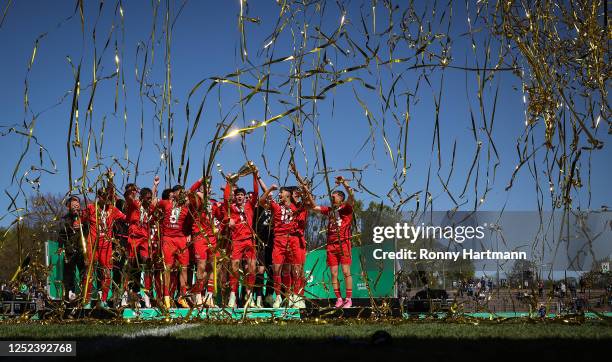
x=246, y=169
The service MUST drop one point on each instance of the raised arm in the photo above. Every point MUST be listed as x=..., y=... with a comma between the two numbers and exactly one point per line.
x=295, y=172
x=255, y=197
x=154, y=190
x=263, y=200
x=307, y=196
x=197, y=196
x=309, y=199
x=110, y=186
x=119, y=215
x=227, y=192
x=262, y=184
x=351, y=197
x=196, y=185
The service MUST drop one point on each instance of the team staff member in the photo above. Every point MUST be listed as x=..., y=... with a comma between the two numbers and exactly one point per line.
x=265, y=239
x=70, y=233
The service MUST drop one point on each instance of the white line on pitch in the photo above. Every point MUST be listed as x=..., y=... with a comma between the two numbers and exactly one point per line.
x=159, y=332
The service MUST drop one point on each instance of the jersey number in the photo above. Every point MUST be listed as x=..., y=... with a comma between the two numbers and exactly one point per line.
x=174, y=215
x=286, y=215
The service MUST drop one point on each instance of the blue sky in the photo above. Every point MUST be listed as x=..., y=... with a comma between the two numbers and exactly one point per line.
x=205, y=42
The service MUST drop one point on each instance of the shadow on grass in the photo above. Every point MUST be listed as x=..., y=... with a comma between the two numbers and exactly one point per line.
x=339, y=349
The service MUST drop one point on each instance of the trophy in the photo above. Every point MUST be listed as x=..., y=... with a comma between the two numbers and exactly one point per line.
x=246, y=169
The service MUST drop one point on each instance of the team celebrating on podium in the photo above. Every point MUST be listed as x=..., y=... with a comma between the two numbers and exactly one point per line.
x=186, y=249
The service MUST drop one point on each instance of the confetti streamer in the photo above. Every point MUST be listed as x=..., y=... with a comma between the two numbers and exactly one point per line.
x=391, y=57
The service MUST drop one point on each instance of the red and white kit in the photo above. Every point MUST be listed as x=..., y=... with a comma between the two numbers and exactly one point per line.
x=99, y=241
x=339, y=234
x=175, y=228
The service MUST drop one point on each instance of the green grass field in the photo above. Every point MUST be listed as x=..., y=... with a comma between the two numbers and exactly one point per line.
x=350, y=339
x=314, y=331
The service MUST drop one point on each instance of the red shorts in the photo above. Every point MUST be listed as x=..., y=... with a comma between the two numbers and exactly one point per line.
x=337, y=254
x=243, y=249
x=138, y=246
x=298, y=248
x=103, y=253
x=203, y=247
x=284, y=250
x=174, y=249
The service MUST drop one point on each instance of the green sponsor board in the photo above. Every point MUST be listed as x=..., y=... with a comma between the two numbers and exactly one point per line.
x=213, y=314
x=56, y=273
x=380, y=274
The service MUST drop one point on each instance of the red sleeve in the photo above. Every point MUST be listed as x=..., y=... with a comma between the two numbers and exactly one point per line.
x=131, y=204
x=224, y=208
x=217, y=211
x=119, y=215
x=194, y=199
x=227, y=193
x=196, y=186
x=274, y=207
x=347, y=209
x=255, y=199
x=302, y=214
x=85, y=215
x=324, y=209
x=160, y=204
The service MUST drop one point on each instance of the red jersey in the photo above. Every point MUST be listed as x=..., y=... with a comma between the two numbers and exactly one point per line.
x=101, y=222
x=242, y=214
x=300, y=214
x=139, y=220
x=209, y=218
x=339, y=222
x=282, y=217
x=176, y=220
x=208, y=221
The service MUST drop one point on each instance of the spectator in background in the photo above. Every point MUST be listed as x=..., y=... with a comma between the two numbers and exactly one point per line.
x=541, y=288
x=572, y=289
x=563, y=289
x=542, y=311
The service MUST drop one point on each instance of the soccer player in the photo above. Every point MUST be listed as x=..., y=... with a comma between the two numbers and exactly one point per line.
x=101, y=215
x=69, y=239
x=207, y=213
x=175, y=228
x=157, y=219
x=139, y=210
x=265, y=240
x=120, y=258
x=285, y=238
x=240, y=223
x=300, y=204
x=340, y=218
